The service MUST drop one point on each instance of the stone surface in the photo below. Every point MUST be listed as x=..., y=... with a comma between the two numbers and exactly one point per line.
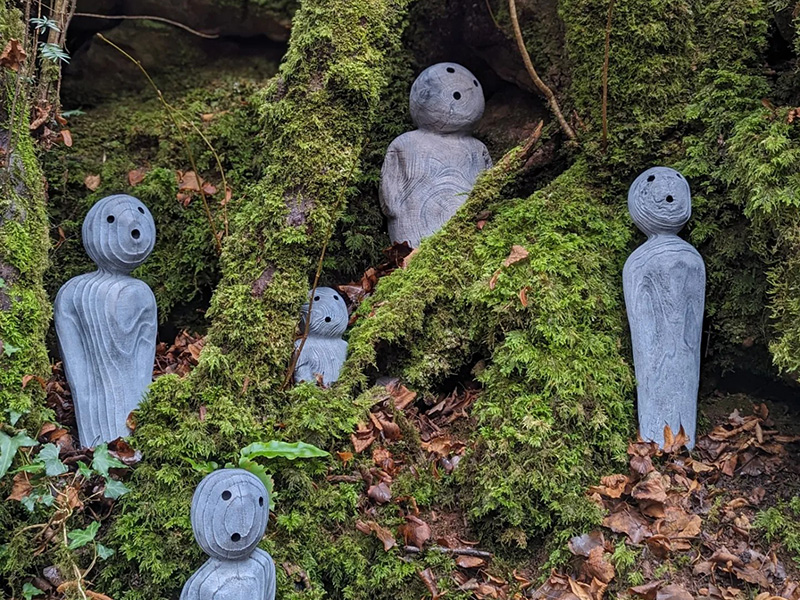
x=429, y=172
x=106, y=320
x=664, y=282
x=230, y=510
x=324, y=351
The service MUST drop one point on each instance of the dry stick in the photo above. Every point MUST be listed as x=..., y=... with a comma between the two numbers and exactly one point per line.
x=296, y=353
x=606, y=59
x=171, y=112
x=208, y=36
x=541, y=85
x=452, y=551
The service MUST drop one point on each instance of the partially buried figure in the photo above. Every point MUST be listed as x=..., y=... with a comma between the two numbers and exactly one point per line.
x=664, y=282
x=324, y=350
x=106, y=320
x=230, y=509
x=429, y=172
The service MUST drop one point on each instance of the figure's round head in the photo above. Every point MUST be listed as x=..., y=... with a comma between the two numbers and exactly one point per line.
x=446, y=98
x=329, y=316
x=119, y=233
x=660, y=201
x=230, y=509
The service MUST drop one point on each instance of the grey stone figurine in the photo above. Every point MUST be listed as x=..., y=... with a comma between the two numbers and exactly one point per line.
x=428, y=173
x=106, y=320
x=324, y=351
x=664, y=282
x=230, y=509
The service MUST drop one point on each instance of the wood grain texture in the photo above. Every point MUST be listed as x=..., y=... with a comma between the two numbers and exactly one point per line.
x=664, y=285
x=428, y=173
x=230, y=510
x=324, y=351
x=106, y=321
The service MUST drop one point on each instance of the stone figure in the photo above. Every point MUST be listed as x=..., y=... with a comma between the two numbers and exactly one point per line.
x=106, y=320
x=428, y=172
x=230, y=509
x=324, y=351
x=664, y=282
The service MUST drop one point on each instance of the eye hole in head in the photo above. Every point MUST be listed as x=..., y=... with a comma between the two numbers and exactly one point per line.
x=451, y=70
x=327, y=319
x=335, y=297
x=135, y=234
x=140, y=209
x=475, y=81
x=670, y=199
x=110, y=218
x=261, y=501
x=236, y=537
x=226, y=495
x=316, y=298
x=651, y=178
x=457, y=95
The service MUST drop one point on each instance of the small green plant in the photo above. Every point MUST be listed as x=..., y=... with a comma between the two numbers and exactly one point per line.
x=53, y=52
x=780, y=523
x=44, y=23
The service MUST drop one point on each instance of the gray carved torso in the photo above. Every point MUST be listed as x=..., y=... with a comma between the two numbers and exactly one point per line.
x=664, y=283
x=106, y=320
x=230, y=510
x=428, y=173
x=324, y=351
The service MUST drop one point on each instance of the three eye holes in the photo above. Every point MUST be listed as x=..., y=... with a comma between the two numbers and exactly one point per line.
x=135, y=234
x=457, y=95
x=226, y=495
x=668, y=198
x=316, y=299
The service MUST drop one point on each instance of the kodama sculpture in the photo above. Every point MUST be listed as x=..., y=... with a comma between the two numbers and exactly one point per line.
x=106, y=320
x=429, y=172
x=324, y=350
x=230, y=509
x=664, y=282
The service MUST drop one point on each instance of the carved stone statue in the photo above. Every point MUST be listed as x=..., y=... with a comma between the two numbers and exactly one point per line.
x=664, y=282
x=429, y=172
x=324, y=351
x=106, y=320
x=230, y=509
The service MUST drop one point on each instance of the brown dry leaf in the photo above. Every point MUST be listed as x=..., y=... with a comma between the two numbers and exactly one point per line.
x=383, y=534
x=383, y=458
x=724, y=557
x=21, y=488
x=582, y=545
x=751, y=575
x=612, y=486
x=651, y=489
x=470, y=562
x=517, y=254
x=673, y=443
x=188, y=181
x=597, y=567
x=523, y=296
x=26, y=379
x=136, y=177
x=647, y=591
x=13, y=55
x=581, y=590
x=65, y=135
x=415, y=531
x=406, y=260
x=92, y=182
x=429, y=579
x=345, y=457
x=380, y=493
x=630, y=523
x=362, y=438
x=673, y=592
x=70, y=498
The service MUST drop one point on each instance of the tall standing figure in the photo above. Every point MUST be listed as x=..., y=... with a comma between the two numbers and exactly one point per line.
x=428, y=173
x=664, y=282
x=106, y=320
x=230, y=509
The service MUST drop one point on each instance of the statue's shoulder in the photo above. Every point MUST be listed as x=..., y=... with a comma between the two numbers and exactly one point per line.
x=409, y=141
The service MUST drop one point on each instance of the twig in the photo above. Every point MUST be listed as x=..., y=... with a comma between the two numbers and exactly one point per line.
x=606, y=59
x=491, y=14
x=208, y=36
x=452, y=551
x=541, y=85
x=296, y=353
x=171, y=112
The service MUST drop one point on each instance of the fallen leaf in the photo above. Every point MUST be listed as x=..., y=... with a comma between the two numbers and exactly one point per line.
x=651, y=488
x=470, y=562
x=345, y=457
x=92, y=182
x=673, y=592
x=380, y=493
x=13, y=55
x=383, y=534
x=631, y=524
x=582, y=545
x=415, y=531
x=136, y=176
x=598, y=567
x=21, y=487
x=611, y=485
x=647, y=591
x=429, y=579
x=517, y=254
x=66, y=136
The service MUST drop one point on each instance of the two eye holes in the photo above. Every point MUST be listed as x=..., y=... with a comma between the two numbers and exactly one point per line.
x=226, y=495
x=135, y=234
x=457, y=95
x=669, y=198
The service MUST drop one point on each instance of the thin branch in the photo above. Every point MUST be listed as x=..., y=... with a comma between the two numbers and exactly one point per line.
x=452, y=551
x=171, y=112
x=606, y=59
x=541, y=85
x=208, y=36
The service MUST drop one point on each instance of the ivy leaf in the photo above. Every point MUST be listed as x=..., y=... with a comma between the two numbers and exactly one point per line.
x=85, y=470
x=9, y=447
x=78, y=538
x=276, y=449
x=103, y=461
x=29, y=591
x=48, y=456
x=115, y=489
x=104, y=552
x=10, y=349
x=14, y=417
